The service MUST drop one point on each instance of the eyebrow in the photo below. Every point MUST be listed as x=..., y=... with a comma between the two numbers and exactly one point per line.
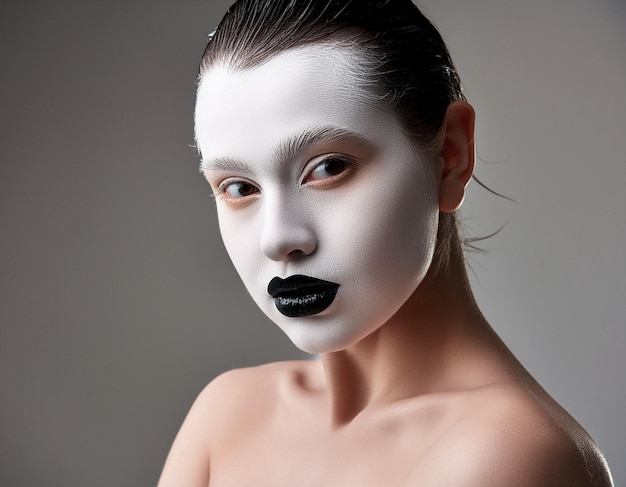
x=286, y=149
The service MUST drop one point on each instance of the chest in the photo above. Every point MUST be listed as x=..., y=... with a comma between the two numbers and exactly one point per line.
x=376, y=453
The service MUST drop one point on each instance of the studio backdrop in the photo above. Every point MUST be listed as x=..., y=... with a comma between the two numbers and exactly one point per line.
x=118, y=303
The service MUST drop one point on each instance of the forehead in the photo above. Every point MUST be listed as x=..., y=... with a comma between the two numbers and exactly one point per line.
x=306, y=66
x=238, y=111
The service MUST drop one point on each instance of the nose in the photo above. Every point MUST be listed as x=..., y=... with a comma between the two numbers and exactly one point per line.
x=286, y=235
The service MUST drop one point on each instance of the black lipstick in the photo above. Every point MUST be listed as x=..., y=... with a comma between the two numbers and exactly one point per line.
x=299, y=296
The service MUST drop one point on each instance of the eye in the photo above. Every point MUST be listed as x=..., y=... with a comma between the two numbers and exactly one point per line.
x=328, y=169
x=237, y=190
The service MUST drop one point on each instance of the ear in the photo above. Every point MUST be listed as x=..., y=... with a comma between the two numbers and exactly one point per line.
x=457, y=154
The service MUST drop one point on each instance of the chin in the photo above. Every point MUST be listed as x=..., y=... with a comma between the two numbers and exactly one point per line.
x=320, y=338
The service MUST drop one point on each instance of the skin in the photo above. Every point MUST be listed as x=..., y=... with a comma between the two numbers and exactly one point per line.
x=414, y=390
x=370, y=228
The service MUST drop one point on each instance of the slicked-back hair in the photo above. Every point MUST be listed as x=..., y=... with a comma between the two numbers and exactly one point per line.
x=411, y=69
x=407, y=65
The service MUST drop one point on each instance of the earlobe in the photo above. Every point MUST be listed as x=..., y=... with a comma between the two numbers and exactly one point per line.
x=457, y=155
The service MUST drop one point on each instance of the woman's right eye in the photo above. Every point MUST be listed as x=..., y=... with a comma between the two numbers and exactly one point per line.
x=237, y=190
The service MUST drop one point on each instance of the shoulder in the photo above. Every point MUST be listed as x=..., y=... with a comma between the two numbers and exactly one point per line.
x=228, y=409
x=263, y=382
x=507, y=437
x=242, y=402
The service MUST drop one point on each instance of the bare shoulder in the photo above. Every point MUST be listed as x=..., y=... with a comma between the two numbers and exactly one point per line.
x=508, y=437
x=242, y=400
x=231, y=407
x=263, y=382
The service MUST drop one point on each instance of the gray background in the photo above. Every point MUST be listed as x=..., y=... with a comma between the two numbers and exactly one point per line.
x=117, y=300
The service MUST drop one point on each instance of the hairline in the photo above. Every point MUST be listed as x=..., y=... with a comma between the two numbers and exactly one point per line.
x=362, y=69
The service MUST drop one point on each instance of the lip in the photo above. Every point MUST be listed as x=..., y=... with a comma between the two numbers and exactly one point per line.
x=298, y=295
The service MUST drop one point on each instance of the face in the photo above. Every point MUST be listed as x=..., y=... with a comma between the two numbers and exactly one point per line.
x=319, y=187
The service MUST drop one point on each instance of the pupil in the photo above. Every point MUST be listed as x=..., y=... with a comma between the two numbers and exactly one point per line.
x=334, y=166
x=245, y=189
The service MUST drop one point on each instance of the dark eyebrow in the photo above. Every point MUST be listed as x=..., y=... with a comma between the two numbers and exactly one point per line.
x=224, y=164
x=286, y=149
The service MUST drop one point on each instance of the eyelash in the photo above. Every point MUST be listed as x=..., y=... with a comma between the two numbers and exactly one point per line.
x=222, y=194
x=346, y=168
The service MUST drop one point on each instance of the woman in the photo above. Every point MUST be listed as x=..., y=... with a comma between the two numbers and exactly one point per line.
x=338, y=143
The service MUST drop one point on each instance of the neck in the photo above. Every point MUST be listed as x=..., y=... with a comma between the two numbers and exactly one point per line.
x=437, y=342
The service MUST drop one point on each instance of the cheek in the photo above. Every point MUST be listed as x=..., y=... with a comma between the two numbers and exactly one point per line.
x=238, y=236
x=393, y=222
x=400, y=240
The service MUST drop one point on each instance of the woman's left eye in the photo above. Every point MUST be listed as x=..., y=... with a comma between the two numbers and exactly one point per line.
x=327, y=169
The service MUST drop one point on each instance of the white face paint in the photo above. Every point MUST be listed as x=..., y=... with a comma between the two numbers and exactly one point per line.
x=366, y=219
